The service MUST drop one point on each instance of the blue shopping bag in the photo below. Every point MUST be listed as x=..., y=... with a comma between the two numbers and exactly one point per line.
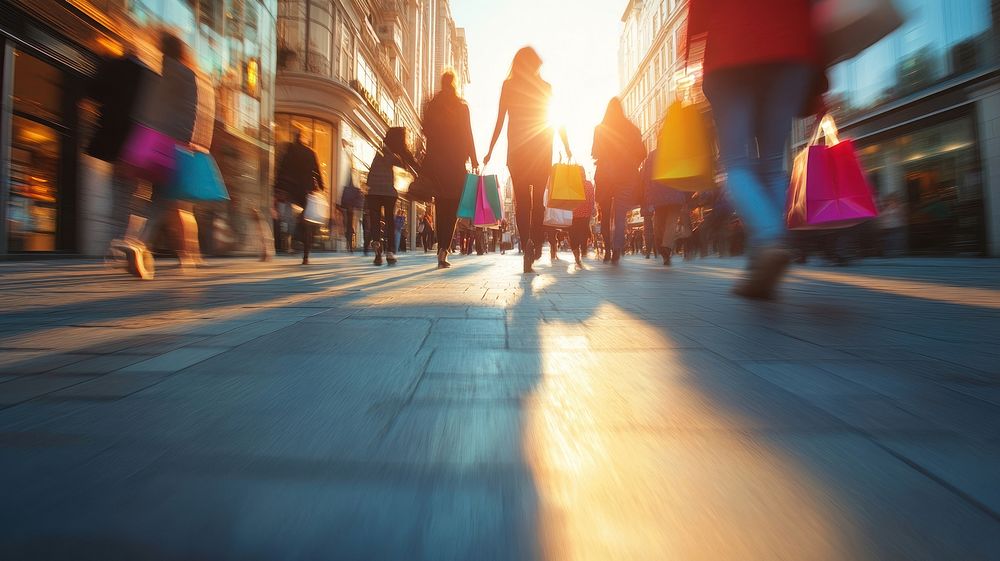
x=196, y=178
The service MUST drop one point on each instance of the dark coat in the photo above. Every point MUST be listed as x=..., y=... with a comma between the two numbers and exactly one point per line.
x=170, y=104
x=298, y=173
x=619, y=151
x=448, y=130
x=116, y=90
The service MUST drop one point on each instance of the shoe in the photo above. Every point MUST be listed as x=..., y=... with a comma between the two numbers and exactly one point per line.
x=529, y=259
x=666, y=253
x=139, y=261
x=390, y=258
x=616, y=257
x=378, y=253
x=305, y=261
x=607, y=256
x=765, y=271
x=443, y=260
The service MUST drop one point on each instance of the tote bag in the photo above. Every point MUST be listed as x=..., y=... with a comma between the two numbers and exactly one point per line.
x=196, y=178
x=566, y=186
x=491, y=189
x=828, y=189
x=150, y=154
x=317, y=208
x=685, y=151
x=484, y=211
x=848, y=27
x=556, y=217
x=467, y=204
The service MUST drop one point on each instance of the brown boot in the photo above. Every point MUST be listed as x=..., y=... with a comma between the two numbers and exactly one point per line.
x=764, y=274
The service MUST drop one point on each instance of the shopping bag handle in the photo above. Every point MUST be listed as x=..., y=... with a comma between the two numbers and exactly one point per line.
x=826, y=128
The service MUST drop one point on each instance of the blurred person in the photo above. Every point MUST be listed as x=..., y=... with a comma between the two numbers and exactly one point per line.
x=428, y=232
x=447, y=127
x=618, y=150
x=668, y=207
x=382, y=195
x=760, y=62
x=580, y=230
x=400, y=228
x=297, y=175
x=170, y=106
x=892, y=223
x=524, y=98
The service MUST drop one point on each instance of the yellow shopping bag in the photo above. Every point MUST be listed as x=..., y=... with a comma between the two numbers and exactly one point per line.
x=685, y=154
x=566, y=186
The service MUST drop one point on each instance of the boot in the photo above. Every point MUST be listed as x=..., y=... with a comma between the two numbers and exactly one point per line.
x=666, y=253
x=529, y=258
x=616, y=256
x=443, y=259
x=377, y=246
x=390, y=258
x=764, y=274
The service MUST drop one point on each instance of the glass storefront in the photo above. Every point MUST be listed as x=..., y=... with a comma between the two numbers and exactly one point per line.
x=936, y=173
x=316, y=134
x=940, y=39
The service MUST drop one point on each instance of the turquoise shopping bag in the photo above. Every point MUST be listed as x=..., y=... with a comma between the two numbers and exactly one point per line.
x=467, y=204
x=196, y=178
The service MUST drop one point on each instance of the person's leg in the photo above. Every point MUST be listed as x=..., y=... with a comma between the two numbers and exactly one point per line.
x=307, y=237
x=783, y=93
x=389, y=209
x=375, y=225
x=620, y=210
x=521, y=183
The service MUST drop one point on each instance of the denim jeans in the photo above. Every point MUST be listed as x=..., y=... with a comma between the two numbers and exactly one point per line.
x=619, y=221
x=754, y=107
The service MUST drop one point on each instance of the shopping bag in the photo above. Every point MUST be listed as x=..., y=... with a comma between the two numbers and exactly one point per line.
x=467, y=204
x=352, y=197
x=150, y=154
x=422, y=189
x=566, y=186
x=685, y=152
x=491, y=188
x=828, y=188
x=556, y=217
x=484, y=211
x=401, y=179
x=196, y=178
x=317, y=208
x=848, y=27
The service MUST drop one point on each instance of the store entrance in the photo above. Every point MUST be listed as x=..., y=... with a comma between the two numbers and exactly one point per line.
x=41, y=209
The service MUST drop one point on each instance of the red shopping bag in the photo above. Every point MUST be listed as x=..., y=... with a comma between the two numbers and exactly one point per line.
x=484, y=210
x=150, y=154
x=828, y=189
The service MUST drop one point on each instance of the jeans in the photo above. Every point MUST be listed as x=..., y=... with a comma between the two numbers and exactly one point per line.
x=665, y=226
x=446, y=211
x=754, y=107
x=619, y=221
x=382, y=210
x=395, y=240
x=578, y=234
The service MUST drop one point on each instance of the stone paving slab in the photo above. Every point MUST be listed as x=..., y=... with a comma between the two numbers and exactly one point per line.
x=341, y=411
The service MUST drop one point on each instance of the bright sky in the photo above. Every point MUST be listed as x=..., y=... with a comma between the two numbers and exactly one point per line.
x=578, y=42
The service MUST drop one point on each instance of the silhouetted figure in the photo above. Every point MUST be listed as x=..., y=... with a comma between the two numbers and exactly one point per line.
x=525, y=100
x=447, y=127
x=382, y=195
x=618, y=151
x=298, y=175
x=760, y=62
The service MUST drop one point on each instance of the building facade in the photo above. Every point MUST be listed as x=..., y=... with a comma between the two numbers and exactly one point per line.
x=54, y=198
x=923, y=106
x=347, y=70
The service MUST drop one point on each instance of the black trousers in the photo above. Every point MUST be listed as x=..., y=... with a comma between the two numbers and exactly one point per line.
x=382, y=219
x=578, y=234
x=446, y=210
x=529, y=189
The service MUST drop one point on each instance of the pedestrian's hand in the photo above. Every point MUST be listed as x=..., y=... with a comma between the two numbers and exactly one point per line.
x=486, y=160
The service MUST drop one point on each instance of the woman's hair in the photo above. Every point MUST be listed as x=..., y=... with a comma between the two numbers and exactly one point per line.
x=526, y=64
x=448, y=83
x=615, y=113
x=395, y=140
x=172, y=47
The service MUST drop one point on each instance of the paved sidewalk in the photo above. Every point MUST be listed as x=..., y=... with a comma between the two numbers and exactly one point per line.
x=267, y=411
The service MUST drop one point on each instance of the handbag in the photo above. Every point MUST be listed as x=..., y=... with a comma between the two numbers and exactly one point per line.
x=491, y=189
x=196, y=178
x=352, y=197
x=317, y=208
x=828, y=188
x=422, y=189
x=150, y=154
x=848, y=27
x=566, y=186
x=467, y=204
x=484, y=210
x=556, y=217
x=685, y=153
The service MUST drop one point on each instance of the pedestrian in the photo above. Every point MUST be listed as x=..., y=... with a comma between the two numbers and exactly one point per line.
x=618, y=151
x=382, y=195
x=400, y=228
x=170, y=106
x=447, y=127
x=428, y=232
x=524, y=98
x=760, y=62
x=580, y=230
x=668, y=207
x=298, y=175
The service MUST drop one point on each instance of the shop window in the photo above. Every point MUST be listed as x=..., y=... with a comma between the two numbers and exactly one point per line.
x=366, y=76
x=316, y=134
x=33, y=204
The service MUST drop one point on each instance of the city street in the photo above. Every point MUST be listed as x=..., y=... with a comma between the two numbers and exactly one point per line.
x=256, y=411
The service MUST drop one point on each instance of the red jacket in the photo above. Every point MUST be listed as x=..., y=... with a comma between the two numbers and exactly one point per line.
x=747, y=32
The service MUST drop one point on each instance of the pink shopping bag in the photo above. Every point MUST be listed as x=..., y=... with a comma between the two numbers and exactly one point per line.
x=150, y=154
x=484, y=210
x=828, y=189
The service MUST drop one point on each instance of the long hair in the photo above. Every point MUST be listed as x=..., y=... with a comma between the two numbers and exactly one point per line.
x=395, y=140
x=525, y=65
x=173, y=47
x=448, y=85
x=614, y=116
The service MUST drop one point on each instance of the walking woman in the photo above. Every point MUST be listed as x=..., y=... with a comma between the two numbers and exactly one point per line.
x=296, y=176
x=618, y=151
x=525, y=100
x=382, y=194
x=450, y=147
x=668, y=206
x=760, y=61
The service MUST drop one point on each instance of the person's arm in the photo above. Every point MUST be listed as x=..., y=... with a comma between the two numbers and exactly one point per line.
x=565, y=140
x=317, y=176
x=501, y=116
x=470, y=140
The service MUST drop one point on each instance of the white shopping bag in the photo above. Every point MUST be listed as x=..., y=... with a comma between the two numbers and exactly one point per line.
x=556, y=217
x=317, y=208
